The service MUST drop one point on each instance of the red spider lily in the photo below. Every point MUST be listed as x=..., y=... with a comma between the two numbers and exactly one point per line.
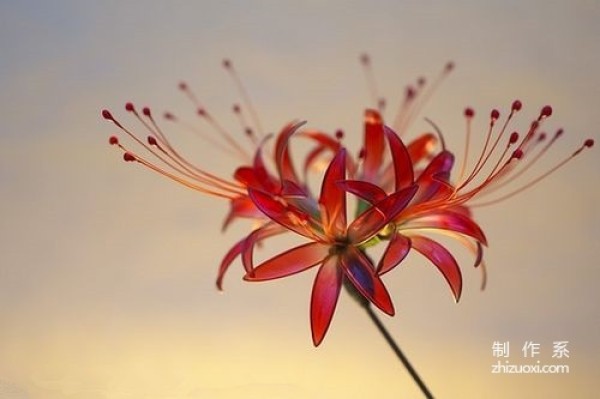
x=335, y=246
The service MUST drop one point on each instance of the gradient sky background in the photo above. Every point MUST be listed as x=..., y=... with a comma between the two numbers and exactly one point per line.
x=107, y=272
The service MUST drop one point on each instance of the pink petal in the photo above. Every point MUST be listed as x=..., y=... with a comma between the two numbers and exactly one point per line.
x=241, y=207
x=333, y=198
x=395, y=253
x=360, y=271
x=374, y=144
x=403, y=165
x=376, y=217
x=325, y=294
x=290, y=262
x=442, y=259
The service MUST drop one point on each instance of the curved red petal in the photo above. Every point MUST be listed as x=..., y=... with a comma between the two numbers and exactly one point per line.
x=258, y=235
x=288, y=216
x=362, y=189
x=422, y=147
x=262, y=176
x=450, y=221
x=290, y=262
x=374, y=144
x=442, y=259
x=433, y=180
x=333, y=197
x=380, y=214
x=282, y=153
x=395, y=253
x=241, y=207
x=325, y=294
x=361, y=273
x=403, y=165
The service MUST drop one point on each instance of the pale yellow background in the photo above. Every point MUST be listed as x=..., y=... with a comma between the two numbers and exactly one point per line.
x=107, y=271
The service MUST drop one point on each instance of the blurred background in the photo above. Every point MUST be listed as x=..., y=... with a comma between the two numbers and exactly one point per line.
x=107, y=271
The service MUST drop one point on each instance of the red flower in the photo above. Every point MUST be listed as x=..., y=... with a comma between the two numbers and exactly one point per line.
x=336, y=246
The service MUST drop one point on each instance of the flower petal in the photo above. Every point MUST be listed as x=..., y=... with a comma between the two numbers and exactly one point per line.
x=450, y=221
x=362, y=189
x=241, y=207
x=360, y=271
x=395, y=253
x=282, y=153
x=442, y=259
x=403, y=165
x=286, y=215
x=432, y=181
x=380, y=214
x=289, y=262
x=333, y=197
x=374, y=145
x=422, y=147
x=325, y=294
x=267, y=230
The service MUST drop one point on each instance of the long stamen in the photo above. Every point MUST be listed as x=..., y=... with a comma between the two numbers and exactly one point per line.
x=245, y=97
x=365, y=61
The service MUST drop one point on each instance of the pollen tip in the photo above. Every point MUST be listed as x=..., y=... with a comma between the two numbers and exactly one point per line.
x=542, y=136
x=546, y=111
x=113, y=140
x=410, y=92
x=469, y=112
x=365, y=59
x=495, y=114
x=514, y=137
x=128, y=157
x=518, y=154
x=449, y=66
x=559, y=133
x=339, y=134
x=182, y=86
x=236, y=108
x=589, y=143
x=152, y=140
x=107, y=115
x=201, y=111
x=421, y=81
x=516, y=105
x=129, y=107
x=169, y=116
x=146, y=111
x=248, y=131
x=226, y=63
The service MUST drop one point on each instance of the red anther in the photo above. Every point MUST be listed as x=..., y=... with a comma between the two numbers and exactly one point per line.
x=542, y=136
x=469, y=113
x=518, y=154
x=546, y=111
x=558, y=133
x=227, y=63
x=113, y=140
x=589, y=143
x=248, y=131
x=339, y=134
x=146, y=111
x=495, y=114
x=107, y=115
x=410, y=92
x=201, y=111
x=169, y=116
x=449, y=66
x=152, y=140
x=183, y=86
x=516, y=105
x=514, y=137
x=365, y=59
x=421, y=81
x=128, y=157
x=381, y=103
x=236, y=108
x=129, y=107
